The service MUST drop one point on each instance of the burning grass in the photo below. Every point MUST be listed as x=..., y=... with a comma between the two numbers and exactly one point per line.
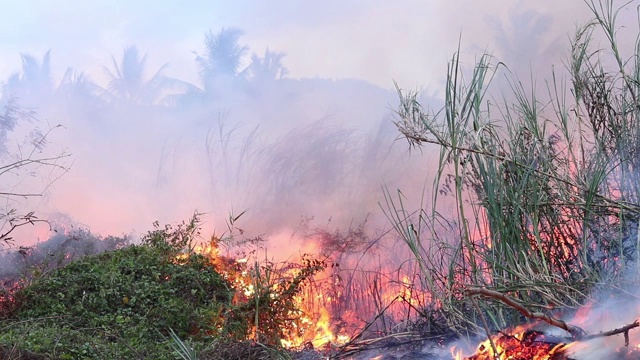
x=130, y=300
x=544, y=189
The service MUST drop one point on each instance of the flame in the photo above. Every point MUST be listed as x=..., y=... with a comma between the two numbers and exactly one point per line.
x=521, y=343
x=328, y=313
x=314, y=321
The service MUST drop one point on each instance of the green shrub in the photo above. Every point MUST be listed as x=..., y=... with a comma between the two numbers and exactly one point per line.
x=124, y=301
x=139, y=301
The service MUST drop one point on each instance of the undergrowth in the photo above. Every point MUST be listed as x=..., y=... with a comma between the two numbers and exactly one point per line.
x=156, y=300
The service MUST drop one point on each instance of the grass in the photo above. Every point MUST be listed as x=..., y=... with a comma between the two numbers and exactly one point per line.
x=182, y=348
x=544, y=189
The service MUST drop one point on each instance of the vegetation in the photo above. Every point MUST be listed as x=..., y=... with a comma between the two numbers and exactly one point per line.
x=543, y=189
x=141, y=301
x=101, y=323
x=545, y=192
x=28, y=158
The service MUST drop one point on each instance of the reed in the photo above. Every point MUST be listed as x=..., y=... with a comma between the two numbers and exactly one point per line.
x=534, y=195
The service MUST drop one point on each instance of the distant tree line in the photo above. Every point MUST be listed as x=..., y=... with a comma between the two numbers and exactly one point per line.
x=221, y=67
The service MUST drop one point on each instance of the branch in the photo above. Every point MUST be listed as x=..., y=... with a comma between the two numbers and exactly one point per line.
x=19, y=194
x=576, y=332
x=625, y=329
x=18, y=221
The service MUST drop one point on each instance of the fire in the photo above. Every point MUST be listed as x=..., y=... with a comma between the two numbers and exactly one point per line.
x=523, y=343
x=520, y=343
x=318, y=333
x=311, y=325
x=330, y=310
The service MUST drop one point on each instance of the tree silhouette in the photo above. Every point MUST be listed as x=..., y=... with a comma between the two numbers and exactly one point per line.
x=128, y=82
x=523, y=38
x=34, y=81
x=221, y=63
x=263, y=70
x=79, y=88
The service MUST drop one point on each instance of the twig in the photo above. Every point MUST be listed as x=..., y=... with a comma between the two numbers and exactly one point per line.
x=486, y=329
x=352, y=341
x=625, y=329
x=391, y=336
x=576, y=332
x=368, y=344
x=16, y=221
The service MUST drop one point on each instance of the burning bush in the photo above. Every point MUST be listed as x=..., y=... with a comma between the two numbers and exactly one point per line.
x=269, y=308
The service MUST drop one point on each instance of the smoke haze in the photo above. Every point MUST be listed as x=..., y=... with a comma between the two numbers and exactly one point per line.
x=300, y=128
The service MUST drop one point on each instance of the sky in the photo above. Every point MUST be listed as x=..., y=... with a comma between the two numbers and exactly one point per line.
x=132, y=166
x=407, y=41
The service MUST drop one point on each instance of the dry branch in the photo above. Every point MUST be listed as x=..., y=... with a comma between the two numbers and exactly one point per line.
x=355, y=347
x=623, y=330
x=576, y=332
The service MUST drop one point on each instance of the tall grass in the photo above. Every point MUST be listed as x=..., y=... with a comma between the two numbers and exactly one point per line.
x=544, y=192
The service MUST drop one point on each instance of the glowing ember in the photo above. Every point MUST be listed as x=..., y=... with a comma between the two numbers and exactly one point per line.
x=519, y=344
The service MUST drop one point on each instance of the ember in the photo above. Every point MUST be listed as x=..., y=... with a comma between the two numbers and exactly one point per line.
x=521, y=344
x=524, y=343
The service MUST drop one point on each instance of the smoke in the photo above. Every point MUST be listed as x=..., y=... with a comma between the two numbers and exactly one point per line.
x=312, y=144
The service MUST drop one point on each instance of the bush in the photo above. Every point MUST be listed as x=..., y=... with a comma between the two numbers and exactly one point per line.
x=139, y=301
x=122, y=303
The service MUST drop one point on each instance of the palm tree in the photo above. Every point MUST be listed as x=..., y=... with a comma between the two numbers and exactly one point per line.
x=221, y=62
x=79, y=88
x=267, y=68
x=263, y=72
x=128, y=82
x=33, y=83
x=523, y=38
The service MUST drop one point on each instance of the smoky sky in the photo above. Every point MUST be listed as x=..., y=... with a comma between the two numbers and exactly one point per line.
x=316, y=141
x=377, y=41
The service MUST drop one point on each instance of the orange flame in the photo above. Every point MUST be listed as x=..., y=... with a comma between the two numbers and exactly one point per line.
x=520, y=343
x=317, y=322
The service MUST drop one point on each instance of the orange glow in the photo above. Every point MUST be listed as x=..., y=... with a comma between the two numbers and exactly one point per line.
x=329, y=312
x=523, y=343
x=456, y=354
x=519, y=344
